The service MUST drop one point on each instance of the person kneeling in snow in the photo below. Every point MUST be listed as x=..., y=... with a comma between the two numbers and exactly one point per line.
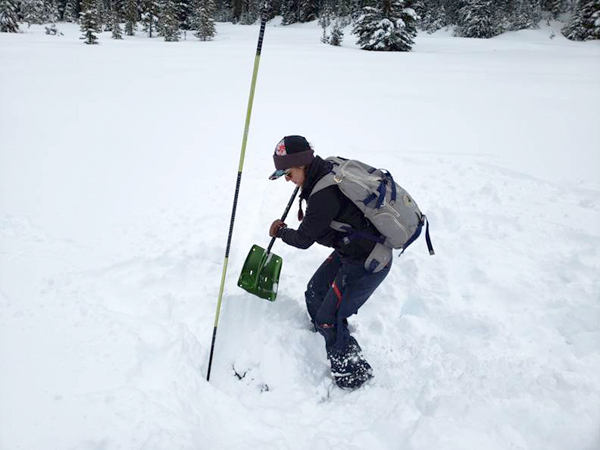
x=342, y=284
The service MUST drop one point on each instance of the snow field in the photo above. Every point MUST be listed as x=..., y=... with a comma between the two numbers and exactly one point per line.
x=117, y=166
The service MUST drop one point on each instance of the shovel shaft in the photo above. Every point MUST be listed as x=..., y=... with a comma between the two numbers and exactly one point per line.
x=285, y=213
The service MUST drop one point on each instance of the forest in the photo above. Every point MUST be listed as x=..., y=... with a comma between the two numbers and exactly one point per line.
x=385, y=25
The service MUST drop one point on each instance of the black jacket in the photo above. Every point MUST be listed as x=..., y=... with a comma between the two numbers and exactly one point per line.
x=326, y=205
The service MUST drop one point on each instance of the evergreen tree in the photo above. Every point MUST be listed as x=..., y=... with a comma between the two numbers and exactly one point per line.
x=9, y=20
x=452, y=9
x=325, y=18
x=169, y=21
x=337, y=35
x=203, y=22
x=585, y=23
x=525, y=14
x=273, y=9
x=104, y=14
x=117, y=33
x=33, y=11
x=324, y=36
x=116, y=16
x=307, y=10
x=250, y=11
x=224, y=11
x=477, y=20
x=184, y=14
x=71, y=11
x=294, y=11
x=244, y=11
x=236, y=10
x=345, y=11
x=554, y=7
x=391, y=27
x=89, y=22
x=432, y=15
x=327, y=13
x=51, y=13
x=131, y=17
x=419, y=7
x=150, y=13
x=290, y=11
x=118, y=7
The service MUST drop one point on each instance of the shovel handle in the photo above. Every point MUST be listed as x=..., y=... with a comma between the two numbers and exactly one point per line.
x=285, y=213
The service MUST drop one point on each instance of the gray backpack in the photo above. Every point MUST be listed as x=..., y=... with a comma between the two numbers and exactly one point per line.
x=387, y=205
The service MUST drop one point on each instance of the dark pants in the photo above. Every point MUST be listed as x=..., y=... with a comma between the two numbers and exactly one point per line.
x=335, y=292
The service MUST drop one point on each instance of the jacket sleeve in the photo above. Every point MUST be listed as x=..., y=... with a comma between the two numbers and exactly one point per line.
x=321, y=210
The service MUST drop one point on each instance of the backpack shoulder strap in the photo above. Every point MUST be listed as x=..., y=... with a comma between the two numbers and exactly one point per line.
x=324, y=182
x=327, y=180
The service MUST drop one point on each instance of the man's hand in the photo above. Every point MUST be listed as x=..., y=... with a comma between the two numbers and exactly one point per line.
x=275, y=227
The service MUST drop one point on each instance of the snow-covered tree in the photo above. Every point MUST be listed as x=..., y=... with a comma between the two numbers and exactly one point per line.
x=169, y=21
x=290, y=11
x=71, y=11
x=477, y=20
x=554, y=7
x=452, y=9
x=117, y=14
x=9, y=20
x=307, y=10
x=525, y=14
x=150, y=14
x=89, y=21
x=224, y=11
x=117, y=33
x=242, y=11
x=131, y=16
x=203, y=23
x=272, y=11
x=419, y=7
x=250, y=11
x=326, y=14
x=104, y=14
x=432, y=15
x=337, y=35
x=391, y=27
x=585, y=23
x=51, y=13
x=33, y=11
x=294, y=11
x=325, y=19
x=184, y=14
x=347, y=11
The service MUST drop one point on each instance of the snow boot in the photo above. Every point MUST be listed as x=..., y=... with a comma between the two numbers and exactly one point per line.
x=349, y=368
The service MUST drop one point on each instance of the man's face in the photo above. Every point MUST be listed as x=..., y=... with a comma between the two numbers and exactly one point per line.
x=296, y=176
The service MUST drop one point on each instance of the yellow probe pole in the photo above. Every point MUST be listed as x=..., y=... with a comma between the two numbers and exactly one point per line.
x=261, y=35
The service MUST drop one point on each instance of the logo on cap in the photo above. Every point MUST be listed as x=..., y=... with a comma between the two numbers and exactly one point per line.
x=280, y=149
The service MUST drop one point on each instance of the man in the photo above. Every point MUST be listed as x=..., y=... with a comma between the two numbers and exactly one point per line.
x=342, y=284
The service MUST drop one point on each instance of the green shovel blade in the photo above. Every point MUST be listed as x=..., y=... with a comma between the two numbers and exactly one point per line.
x=260, y=274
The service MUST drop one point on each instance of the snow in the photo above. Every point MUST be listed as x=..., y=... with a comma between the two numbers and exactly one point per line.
x=117, y=169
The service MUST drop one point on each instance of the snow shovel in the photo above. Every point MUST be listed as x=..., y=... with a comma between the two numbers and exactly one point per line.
x=260, y=274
